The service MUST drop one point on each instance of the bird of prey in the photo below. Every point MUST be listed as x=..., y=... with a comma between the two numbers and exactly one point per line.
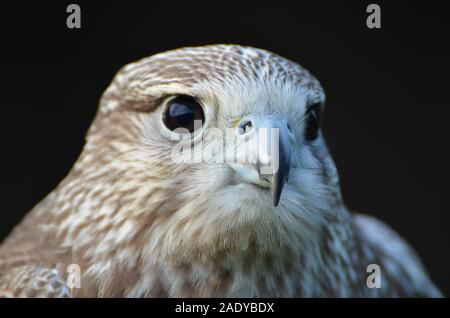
x=135, y=222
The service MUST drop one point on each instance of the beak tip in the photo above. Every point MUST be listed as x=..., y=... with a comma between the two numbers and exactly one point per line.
x=275, y=203
x=277, y=188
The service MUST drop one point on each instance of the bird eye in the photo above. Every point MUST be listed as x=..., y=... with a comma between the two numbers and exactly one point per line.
x=184, y=112
x=312, y=122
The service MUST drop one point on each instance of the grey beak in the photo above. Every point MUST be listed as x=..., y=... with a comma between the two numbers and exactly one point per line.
x=280, y=175
x=273, y=144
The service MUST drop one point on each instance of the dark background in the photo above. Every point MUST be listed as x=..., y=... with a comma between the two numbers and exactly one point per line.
x=387, y=109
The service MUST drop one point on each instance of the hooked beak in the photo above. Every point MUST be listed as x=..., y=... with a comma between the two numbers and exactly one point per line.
x=267, y=142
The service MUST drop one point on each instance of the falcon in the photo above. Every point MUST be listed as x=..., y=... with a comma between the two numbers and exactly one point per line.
x=266, y=221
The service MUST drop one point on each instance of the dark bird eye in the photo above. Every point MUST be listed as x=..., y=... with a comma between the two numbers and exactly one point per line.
x=183, y=112
x=312, y=122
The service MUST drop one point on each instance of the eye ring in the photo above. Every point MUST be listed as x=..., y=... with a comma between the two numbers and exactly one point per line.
x=183, y=114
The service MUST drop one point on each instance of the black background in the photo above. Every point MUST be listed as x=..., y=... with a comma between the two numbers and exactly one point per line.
x=387, y=94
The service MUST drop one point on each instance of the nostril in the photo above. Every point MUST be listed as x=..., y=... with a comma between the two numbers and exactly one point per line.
x=245, y=127
x=289, y=127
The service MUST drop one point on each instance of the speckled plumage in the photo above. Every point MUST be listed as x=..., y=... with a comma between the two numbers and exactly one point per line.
x=139, y=225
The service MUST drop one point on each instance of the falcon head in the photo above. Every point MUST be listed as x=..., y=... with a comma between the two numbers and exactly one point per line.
x=176, y=159
x=205, y=174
